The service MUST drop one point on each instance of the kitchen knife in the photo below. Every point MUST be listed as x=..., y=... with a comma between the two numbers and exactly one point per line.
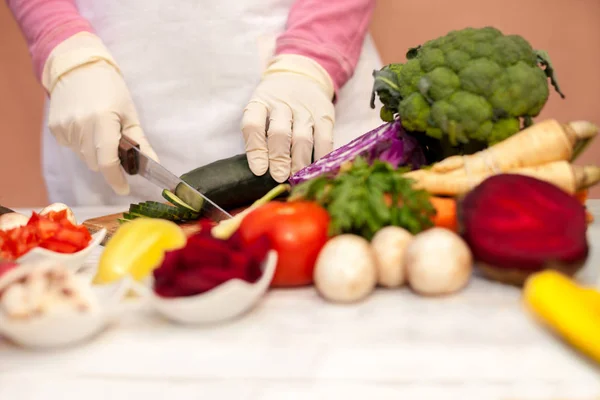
x=134, y=162
x=4, y=210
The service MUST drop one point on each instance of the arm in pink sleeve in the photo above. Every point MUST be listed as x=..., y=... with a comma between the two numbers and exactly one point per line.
x=45, y=24
x=330, y=32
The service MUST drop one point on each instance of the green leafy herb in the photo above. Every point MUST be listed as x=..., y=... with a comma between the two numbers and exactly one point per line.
x=358, y=199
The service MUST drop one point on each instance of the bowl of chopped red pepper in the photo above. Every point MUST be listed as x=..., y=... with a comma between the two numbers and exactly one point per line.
x=212, y=280
x=51, y=236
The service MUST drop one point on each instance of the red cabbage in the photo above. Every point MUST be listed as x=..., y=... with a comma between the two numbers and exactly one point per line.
x=388, y=142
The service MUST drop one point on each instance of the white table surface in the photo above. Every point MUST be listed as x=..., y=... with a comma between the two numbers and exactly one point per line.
x=479, y=345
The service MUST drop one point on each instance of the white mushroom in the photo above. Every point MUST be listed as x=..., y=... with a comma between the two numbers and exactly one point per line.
x=56, y=207
x=45, y=289
x=438, y=262
x=345, y=270
x=12, y=220
x=389, y=245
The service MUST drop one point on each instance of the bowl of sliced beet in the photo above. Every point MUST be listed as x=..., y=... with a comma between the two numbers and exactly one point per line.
x=212, y=280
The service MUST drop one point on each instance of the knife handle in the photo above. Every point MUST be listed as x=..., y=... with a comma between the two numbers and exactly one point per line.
x=129, y=157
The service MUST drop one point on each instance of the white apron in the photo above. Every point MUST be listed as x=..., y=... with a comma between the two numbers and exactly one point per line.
x=191, y=67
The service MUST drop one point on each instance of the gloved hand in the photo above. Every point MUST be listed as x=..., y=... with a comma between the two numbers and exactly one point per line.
x=290, y=112
x=90, y=106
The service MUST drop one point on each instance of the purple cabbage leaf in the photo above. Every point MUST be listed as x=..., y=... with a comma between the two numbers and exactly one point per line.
x=388, y=142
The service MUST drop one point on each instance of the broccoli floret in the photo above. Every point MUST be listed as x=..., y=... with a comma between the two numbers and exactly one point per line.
x=471, y=85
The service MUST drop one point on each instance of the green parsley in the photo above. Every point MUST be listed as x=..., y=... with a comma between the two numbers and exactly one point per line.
x=357, y=199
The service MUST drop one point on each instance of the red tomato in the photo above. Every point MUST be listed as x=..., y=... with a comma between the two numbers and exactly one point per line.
x=297, y=231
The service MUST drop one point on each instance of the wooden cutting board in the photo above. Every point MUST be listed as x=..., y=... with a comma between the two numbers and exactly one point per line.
x=111, y=223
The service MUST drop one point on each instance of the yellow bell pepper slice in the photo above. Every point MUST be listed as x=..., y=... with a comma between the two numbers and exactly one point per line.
x=570, y=310
x=137, y=248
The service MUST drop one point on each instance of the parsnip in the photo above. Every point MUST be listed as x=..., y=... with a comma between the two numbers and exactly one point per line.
x=226, y=228
x=570, y=178
x=544, y=142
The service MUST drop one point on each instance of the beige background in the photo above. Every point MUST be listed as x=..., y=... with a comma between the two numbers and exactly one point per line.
x=568, y=29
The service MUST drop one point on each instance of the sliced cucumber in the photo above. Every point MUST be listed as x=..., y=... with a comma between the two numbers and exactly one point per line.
x=176, y=201
x=131, y=215
x=187, y=196
x=136, y=215
x=154, y=209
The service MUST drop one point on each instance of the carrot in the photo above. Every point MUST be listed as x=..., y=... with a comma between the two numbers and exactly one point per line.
x=445, y=207
x=445, y=216
x=589, y=217
x=570, y=178
x=582, y=196
x=541, y=143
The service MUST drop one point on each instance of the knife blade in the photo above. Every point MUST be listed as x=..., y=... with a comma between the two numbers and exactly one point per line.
x=135, y=162
x=4, y=210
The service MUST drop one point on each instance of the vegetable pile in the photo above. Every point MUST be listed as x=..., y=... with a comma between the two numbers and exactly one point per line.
x=458, y=177
x=466, y=90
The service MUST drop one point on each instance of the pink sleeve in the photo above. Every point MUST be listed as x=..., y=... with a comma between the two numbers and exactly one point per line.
x=330, y=32
x=45, y=24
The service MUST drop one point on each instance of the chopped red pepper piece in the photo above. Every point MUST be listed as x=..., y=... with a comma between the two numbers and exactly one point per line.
x=52, y=231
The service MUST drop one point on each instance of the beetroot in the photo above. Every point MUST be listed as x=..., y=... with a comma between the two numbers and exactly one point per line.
x=7, y=266
x=517, y=225
x=206, y=262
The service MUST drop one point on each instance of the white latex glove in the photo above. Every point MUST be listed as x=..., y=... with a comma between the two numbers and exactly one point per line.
x=290, y=112
x=90, y=106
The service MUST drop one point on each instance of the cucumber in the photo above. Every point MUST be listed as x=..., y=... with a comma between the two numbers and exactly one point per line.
x=128, y=216
x=189, y=197
x=176, y=201
x=229, y=182
x=132, y=215
x=154, y=209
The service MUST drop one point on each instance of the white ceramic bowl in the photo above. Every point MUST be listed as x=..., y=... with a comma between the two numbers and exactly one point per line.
x=221, y=303
x=60, y=330
x=73, y=261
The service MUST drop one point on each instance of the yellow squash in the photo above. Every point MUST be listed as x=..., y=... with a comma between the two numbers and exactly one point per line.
x=568, y=309
x=137, y=248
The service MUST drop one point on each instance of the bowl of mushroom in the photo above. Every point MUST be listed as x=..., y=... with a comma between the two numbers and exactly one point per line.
x=45, y=304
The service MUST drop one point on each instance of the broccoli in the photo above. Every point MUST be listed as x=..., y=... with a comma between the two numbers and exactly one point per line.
x=465, y=91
